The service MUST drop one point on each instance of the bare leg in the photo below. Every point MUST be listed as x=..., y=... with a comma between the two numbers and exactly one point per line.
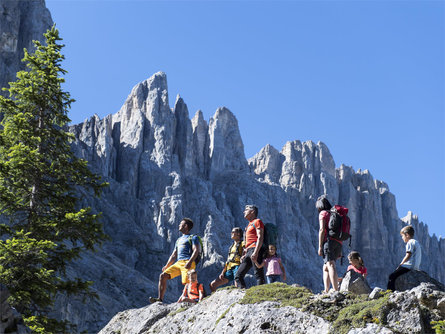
x=163, y=278
x=218, y=282
x=333, y=274
x=326, y=280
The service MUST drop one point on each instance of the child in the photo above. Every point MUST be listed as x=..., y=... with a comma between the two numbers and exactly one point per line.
x=356, y=264
x=193, y=291
x=274, y=267
x=412, y=257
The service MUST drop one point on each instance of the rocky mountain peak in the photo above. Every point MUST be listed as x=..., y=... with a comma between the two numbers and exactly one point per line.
x=226, y=149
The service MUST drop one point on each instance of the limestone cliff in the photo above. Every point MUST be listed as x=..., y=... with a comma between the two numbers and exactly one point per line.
x=21, y=22
x=162, y=166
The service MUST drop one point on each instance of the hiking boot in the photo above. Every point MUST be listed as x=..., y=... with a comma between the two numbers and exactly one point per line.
x=153, y=300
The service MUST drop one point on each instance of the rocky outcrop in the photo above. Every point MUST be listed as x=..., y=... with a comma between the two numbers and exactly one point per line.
x=228, y=311
x=414, y=278
x=21, y=22
x=355, y=283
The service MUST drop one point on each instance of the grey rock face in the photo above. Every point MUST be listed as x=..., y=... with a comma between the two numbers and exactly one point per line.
x=21, y=22
x=414, y=278
x=162, y=166
x=355, y=283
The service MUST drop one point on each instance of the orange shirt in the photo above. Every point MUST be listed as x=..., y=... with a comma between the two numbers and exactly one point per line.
x=251, y=235
x=191, y=290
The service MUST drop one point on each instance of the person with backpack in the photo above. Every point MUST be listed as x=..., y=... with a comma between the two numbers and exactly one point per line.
x=253, y=250
x=187, y=250
x=193, y=291
x=330, y=239
x=233, y=260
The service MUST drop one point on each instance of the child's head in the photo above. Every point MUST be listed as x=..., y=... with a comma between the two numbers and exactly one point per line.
x=272, y=250
x=355, y=259
x=407, y=233
x=193, y=275
x=237, y=233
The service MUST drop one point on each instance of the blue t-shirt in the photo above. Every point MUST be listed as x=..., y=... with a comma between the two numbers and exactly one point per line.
x=184, y=246
x=413, y=246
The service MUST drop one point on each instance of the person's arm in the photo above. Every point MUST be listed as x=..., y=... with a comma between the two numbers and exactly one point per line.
x=406, y=258
x=282, y=269
x=193, y=257
x=321, y=233
x=171, y=260
x=259, y=243
x=259, y=265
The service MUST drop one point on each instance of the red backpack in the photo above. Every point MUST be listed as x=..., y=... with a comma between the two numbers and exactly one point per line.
x=339, y=225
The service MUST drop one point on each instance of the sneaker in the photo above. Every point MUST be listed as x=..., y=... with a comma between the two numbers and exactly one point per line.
x=154, y=300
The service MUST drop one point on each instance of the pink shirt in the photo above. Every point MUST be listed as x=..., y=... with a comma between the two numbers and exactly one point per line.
x=361, y=271
x=272, y=265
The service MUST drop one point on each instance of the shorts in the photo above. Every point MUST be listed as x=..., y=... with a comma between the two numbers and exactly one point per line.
x=178, y=268
x=331, y=250
x=230, y=274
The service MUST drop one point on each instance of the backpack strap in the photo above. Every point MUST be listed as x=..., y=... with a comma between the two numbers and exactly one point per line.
x=253, y=224
x=237, y=252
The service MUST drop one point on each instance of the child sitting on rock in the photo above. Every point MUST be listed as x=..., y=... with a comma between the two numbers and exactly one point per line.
x=274, y=267
x=193, y=291
x=412, y=257
x=356, y=264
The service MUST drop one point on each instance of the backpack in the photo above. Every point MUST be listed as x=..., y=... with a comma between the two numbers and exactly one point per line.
x=269, y=236
x=339, y=225
x=239, y=252
x=200, y=247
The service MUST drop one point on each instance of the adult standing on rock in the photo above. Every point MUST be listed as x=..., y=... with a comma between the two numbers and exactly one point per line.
x=328, y=247
x=253, y=242
x=186, y=250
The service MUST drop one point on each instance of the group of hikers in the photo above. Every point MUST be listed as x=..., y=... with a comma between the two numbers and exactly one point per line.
x=247, y=251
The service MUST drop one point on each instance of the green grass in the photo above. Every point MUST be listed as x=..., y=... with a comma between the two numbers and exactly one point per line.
x=179, y=310
x=352, y=311
x=285, y=294
x=360, y=313
x=222, y=316
x=438, y=326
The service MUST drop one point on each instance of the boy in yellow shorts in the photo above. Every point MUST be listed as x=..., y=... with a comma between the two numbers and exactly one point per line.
x=185, y=252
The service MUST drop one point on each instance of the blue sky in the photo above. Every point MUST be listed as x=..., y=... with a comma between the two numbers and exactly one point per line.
x=367, y=78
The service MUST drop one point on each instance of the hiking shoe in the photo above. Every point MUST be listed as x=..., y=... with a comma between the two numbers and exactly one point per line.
x=154, y=300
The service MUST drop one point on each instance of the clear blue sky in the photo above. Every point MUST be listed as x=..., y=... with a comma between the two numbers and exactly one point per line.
x=365, y=77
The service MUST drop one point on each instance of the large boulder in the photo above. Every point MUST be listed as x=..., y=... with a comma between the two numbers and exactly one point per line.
x=413, y=278
x=356, y=283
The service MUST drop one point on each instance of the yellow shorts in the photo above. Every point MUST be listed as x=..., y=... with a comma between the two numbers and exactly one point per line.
x=178, y=268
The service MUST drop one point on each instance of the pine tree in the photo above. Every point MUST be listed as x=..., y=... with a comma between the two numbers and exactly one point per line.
x=41, y=186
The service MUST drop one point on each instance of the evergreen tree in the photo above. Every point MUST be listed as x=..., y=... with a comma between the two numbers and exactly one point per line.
x=41, y=182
